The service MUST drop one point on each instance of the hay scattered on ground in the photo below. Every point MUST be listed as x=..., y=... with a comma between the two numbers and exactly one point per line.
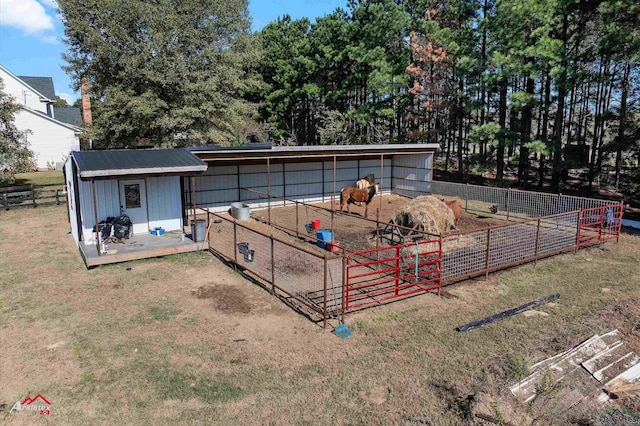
x=428, y=212
x=464, y=241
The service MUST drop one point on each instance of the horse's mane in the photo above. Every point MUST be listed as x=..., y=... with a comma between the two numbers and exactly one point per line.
x=372, y=192
x=370, y=178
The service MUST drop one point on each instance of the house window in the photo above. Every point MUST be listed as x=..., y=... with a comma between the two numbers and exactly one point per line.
x=132, y=196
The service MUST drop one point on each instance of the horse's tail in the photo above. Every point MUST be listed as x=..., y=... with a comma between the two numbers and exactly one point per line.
x=341, y=198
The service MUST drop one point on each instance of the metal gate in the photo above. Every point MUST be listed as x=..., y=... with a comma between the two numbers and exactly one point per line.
x=599, y=224
x=373, y=276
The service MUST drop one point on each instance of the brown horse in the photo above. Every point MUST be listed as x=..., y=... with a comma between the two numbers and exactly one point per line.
x=350, y=195
x=456, y=209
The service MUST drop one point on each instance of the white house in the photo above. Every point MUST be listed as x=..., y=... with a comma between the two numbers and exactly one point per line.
x=50, y=138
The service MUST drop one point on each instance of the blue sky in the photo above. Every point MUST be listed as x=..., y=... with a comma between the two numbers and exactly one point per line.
x=31, y=32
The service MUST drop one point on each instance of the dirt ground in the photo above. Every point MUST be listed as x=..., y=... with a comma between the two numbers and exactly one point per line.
x=185, y=340
x=349, y=229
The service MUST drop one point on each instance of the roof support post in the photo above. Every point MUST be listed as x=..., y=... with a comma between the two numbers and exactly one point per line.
x=381, y=178
x=193, y=206
x=333, y=195
x=95, y=215
x=269, y=190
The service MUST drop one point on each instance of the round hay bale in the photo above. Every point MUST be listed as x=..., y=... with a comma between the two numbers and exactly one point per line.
x=428, y=213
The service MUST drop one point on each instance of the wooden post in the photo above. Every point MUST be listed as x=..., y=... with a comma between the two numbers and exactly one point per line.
x=193, y=206
x=95, y=215
x=269, y=190
x=57, y=197
x=33, y=196
x=5, y=200
x=297, y=219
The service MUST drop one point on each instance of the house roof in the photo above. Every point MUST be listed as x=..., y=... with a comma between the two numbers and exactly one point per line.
x=261, y=151
x=44, y=116
x=70, y=115
x=43, y=85
x=123, y=162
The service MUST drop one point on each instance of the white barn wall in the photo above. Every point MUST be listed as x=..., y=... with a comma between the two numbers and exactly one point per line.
x=108, y=200
x=164, y=203
x=72, y=202
x=50, y=142
x=412, y=174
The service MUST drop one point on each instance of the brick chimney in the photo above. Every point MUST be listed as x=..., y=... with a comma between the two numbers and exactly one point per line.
x=86, y=103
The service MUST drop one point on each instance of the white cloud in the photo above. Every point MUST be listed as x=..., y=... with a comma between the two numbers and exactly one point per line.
x=67, y=97
x=27, y=15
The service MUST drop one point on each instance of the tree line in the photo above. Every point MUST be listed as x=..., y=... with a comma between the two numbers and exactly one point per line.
x=496, y=83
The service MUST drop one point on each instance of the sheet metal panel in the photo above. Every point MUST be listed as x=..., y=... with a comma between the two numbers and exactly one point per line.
x=72, y=205
x=108, y=201
x=412, y=174
x=164, y=203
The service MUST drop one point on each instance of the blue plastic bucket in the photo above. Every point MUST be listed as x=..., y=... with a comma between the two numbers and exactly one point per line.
x=324, y=236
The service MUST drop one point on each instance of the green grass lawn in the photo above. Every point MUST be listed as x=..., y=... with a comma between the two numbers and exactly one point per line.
x=137, y=343
x=38, y=178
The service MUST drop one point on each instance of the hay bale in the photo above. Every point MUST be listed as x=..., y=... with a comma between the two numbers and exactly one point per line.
x=428, y=212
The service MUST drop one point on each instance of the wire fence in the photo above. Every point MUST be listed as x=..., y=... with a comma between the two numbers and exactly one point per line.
x=540, y=225
x=514, y=203
x=304, y=278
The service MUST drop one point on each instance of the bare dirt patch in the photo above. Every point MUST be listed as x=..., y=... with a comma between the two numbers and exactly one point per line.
x=224, y=298
x=349, y=229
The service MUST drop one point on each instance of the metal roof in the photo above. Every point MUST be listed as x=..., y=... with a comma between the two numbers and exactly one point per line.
x=69, y=115
x=267, y=151
x=123, y=162
x=43, y=85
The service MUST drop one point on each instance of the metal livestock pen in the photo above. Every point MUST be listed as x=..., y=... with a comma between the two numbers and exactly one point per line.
x=275, y=248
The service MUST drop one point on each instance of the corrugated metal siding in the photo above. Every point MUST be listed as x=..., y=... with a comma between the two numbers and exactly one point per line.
x=300, y=180
x=164, y=203
x=108, y=201
x=217, y=187
x=72, y=205
x=412, y=174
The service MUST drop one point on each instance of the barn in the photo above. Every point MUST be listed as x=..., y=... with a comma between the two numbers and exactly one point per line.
x=143, y=184
x=354, y=260
x=308, y=173
x=164, y=188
